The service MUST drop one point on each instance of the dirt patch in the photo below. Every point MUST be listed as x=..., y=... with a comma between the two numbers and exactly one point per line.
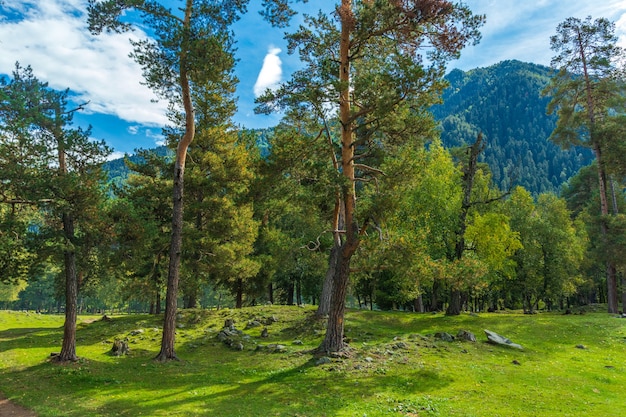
x=9, y=409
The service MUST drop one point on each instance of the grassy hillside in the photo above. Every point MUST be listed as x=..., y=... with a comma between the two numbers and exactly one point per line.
x=396, y=367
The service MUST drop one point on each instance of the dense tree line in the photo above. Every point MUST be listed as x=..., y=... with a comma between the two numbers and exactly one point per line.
x=352, y=198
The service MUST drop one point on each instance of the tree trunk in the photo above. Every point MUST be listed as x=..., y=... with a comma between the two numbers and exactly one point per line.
x=299, y=291
x=290, y=288
x=270, y=292
x=192, y=299
x=623, y=293
x=68, y=348
x=333, y=341
x=239, y=296
x=169, y=323
x=327, y=289
x=454, y=307
x=418, y=304
x=611, y=275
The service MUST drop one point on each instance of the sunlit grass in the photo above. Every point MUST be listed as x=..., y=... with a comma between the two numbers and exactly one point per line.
x=396, y=367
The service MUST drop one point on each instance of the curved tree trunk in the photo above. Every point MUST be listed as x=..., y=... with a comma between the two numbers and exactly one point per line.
x=169, y=323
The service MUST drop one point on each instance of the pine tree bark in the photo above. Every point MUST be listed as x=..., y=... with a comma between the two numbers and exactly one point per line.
x=68, y=348
x=169, y=323
x=333, y=341
x=327, y=287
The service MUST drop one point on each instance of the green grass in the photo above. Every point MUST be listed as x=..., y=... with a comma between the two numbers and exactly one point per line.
x=424, y=377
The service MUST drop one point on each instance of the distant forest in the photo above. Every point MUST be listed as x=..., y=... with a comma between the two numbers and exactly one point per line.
x=505, y=103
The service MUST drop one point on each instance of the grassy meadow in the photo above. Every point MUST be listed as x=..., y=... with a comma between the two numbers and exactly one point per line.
x=571, y=365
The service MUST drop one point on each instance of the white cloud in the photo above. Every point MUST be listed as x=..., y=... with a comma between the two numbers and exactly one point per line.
x=158, y=138
x=133, y=130
x=271, y=72
x=522, y=30
x=53, y=38
x=115, y=155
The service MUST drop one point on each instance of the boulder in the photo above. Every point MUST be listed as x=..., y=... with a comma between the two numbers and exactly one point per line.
x=252, y=324
x=323, y=360
x=466, y=335
x=497, y=339
x=446, y=337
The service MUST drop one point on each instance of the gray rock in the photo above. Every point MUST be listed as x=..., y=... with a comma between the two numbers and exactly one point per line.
x=581, y=347
x=136, y=332
x=264, y=332
x=368, y=359
x=446, y=337
x=323, y=360
x=253, y=323
x=497, y=339
x=275, y=348
x=466, y=335
x=298, y=342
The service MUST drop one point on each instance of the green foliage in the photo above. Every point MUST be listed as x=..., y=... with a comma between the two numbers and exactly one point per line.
x=548, y=264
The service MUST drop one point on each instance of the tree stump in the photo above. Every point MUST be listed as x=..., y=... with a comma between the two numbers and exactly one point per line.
x=120, y=348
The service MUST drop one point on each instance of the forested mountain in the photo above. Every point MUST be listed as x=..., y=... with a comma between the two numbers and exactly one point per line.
x=504, y=102
x=117, y=171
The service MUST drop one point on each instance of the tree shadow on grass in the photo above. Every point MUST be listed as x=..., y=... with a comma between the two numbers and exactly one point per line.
x=138, y=386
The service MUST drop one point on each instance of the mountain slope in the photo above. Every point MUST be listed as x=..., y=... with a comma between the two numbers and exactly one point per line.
x=504, y=102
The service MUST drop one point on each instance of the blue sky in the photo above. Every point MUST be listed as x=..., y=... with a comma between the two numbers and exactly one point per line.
x=51, y=36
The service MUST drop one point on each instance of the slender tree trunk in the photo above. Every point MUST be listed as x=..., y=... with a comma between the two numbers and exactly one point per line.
x=299, y=291
x=454, y=308
x=270, y=292
x=169, y=323
x=290, y=289
x=623, y=293
x=68, y=348
x=611, y=274
x=171, y=297
x=434, y=296
x=611, y=278
x=333, y=341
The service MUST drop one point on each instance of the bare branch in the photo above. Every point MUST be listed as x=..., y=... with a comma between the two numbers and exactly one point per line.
x=369, y=168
